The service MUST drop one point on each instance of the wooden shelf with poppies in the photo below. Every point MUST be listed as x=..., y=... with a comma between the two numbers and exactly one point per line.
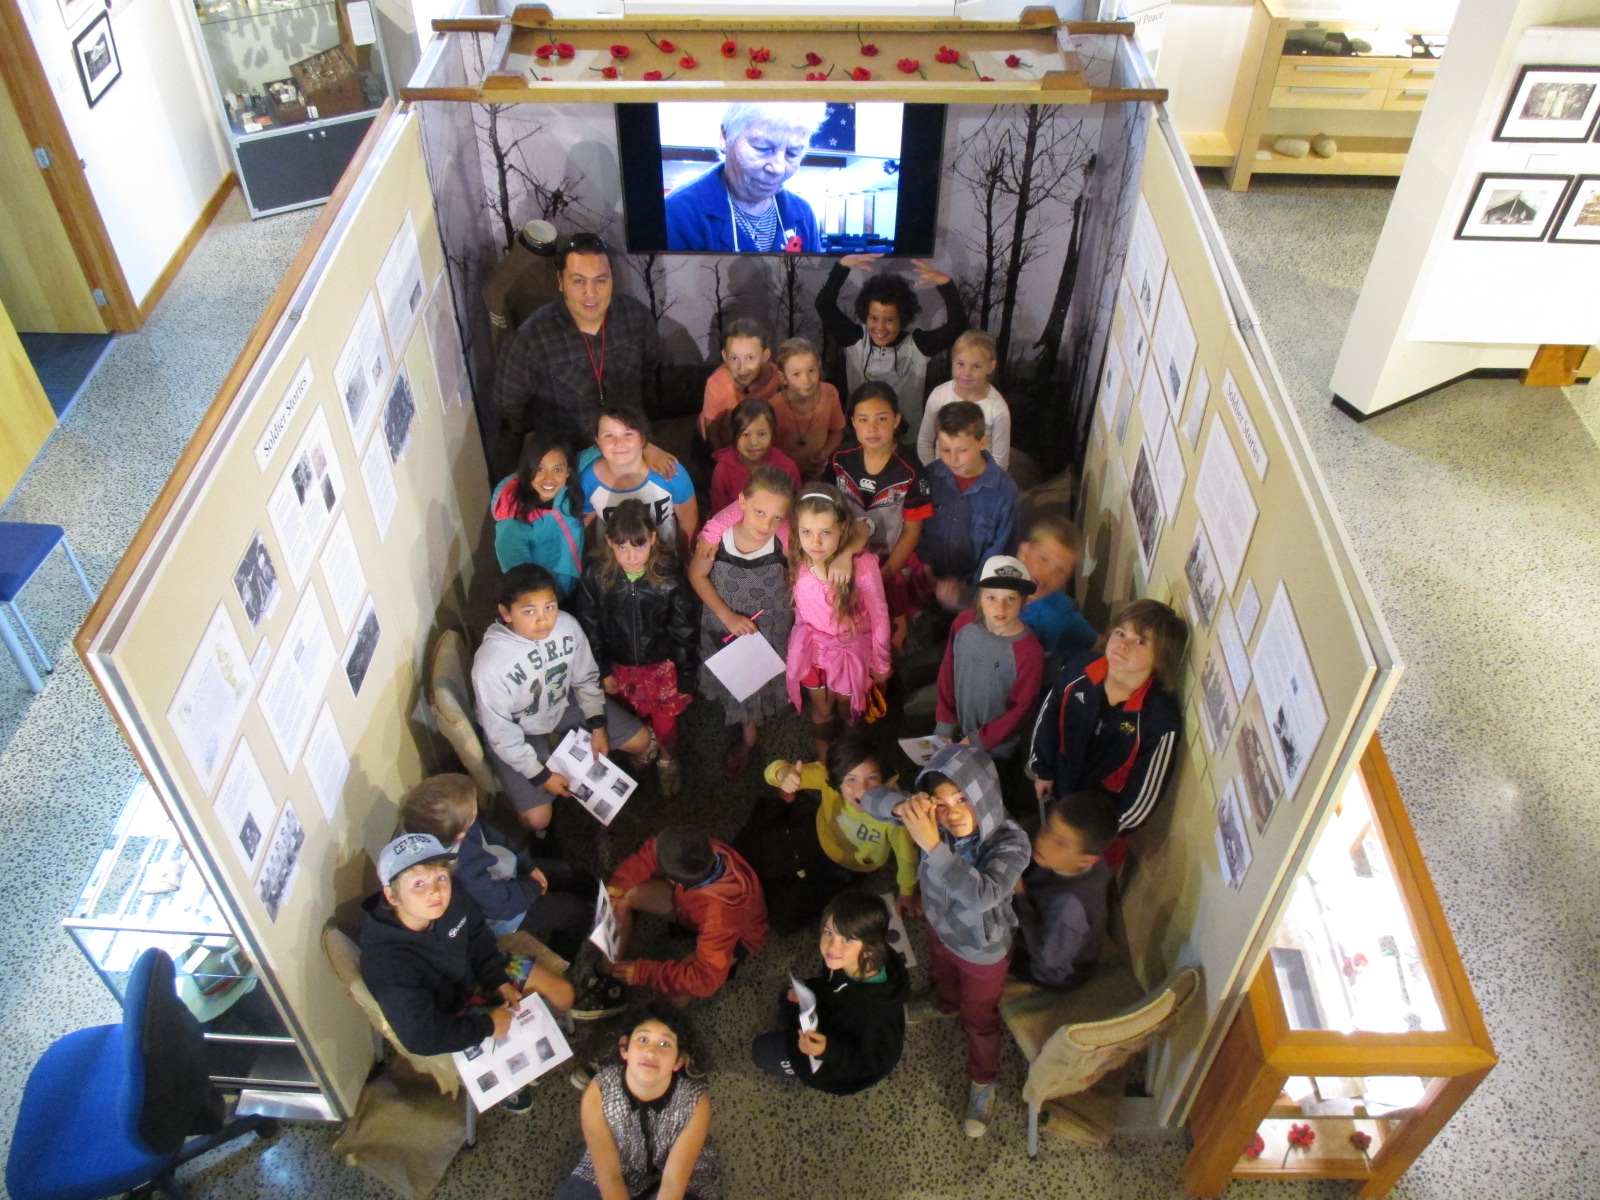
x=1033, y=60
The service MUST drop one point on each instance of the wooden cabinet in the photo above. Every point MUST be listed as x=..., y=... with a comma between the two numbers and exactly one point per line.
x=1360, y=1027
x=1367, y=101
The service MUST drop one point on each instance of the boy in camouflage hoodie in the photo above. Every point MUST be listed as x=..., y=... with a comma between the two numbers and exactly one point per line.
x=972, y=857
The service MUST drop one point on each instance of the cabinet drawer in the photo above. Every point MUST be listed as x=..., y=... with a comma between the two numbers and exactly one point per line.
x=1334, y=72
x=1315, y=96
x=1407, y=99
x=1419, y=76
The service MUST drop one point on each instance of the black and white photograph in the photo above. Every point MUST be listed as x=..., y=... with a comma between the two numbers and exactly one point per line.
x=256, y=581
x=1219, y=707
x=278, y=873
x=544, y=1049
x=620, y=787
x=1512, y=208
x=581, y=792
x=1233, y=843
x=1262, y=791
x=398, y=414
x=1580, y=219
x=517, y=1064
x=1146, y=506
x=602, y=809
x=96, y=55
x=1203, y=574
x=472, y=1052
x=597, y=771
x=488, y=1081
x=361, y=647
x=1551, y=104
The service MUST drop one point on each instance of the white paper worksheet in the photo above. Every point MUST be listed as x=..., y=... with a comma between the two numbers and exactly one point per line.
x=361, y=371
x=1290, y=697
x=301, y=506
x=296, y=679
x=745, y=664
x=1226, y=505
x=211, y=697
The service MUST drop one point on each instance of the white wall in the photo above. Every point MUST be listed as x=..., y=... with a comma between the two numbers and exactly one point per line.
x=152, y=147
x=1379, y=364
x=1201, y=56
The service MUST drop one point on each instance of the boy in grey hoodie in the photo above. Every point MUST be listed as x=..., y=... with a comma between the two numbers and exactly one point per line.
x=535, y=678
x=972, y=858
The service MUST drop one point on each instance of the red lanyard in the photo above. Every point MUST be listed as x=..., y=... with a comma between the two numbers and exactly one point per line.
x=599, y=368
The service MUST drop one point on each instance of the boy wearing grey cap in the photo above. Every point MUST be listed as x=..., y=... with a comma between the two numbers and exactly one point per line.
x=432, y=963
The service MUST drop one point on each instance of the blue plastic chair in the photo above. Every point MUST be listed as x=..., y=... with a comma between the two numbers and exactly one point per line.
x=109, y=1109
x=23, y=549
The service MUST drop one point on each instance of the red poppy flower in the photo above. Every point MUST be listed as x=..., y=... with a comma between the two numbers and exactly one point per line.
x=1256, y=1146
x=947, y=55
x=665, y=46
x=752, y=72
x=564, y=50
x=544, y=51
x=1361, y=1140
x=730, y=48
x=794, y=245
x=861, y=74
x=813, y=59
x=687, y=62
x=909, y=66
x=652, y=76
x=609, y=72
x=1302, y=1136
x=868, y=50
x=985, y=78
x=1014, y=61
x=620, y=52
x=814, y=76
x=760, y=54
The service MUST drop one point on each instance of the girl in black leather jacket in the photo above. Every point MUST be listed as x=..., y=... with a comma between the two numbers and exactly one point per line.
x=643, y=624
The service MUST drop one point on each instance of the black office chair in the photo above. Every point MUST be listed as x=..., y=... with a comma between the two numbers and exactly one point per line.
x=112, y=1108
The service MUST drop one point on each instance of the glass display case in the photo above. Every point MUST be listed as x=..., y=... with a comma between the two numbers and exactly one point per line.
x=145, y=891
x=297, y=83
x=1359, y=1036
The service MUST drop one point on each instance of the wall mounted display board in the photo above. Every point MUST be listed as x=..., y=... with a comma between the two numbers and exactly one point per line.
x=1199, y=490
x=262, y=644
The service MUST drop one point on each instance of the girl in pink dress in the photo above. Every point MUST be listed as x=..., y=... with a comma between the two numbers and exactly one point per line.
x=840, y=644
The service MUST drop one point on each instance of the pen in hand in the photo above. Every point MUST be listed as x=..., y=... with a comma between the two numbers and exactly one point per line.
x=760, y=612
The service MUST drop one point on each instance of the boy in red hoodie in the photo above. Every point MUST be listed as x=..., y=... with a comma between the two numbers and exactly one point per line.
x=703, y=884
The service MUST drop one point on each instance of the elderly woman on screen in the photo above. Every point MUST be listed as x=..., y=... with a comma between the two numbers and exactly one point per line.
x=740, y=205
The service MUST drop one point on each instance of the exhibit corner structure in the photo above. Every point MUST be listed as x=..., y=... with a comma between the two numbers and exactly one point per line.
x=262, y=644
x=1199, y=490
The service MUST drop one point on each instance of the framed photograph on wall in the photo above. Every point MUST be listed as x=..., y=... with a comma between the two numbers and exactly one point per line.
x=73, y=12
x=98, y=64
x=1512, y=208
x=1580, y=219
x=1551, y=104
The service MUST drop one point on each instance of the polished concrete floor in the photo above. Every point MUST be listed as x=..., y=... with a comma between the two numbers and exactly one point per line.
x=1475, y=514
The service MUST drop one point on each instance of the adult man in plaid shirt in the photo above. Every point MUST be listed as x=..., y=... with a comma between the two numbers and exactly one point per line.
x=588, y=348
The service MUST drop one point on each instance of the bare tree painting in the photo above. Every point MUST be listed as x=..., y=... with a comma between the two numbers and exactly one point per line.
x=719, y=306
x=791, y=303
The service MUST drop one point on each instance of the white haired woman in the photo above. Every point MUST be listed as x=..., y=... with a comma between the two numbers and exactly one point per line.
x=740, y=205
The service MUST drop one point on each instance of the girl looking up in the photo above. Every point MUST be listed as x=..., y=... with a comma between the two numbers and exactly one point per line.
x=840, y=645
x=861, y=1015
x=642, y=622
x=536, y=513
x=621, y=473
x=645, y=1119
x=741, y=573
x=752, y=427
x=810, y=421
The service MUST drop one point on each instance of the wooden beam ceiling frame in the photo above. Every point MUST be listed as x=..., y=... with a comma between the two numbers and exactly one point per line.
x=518, y=36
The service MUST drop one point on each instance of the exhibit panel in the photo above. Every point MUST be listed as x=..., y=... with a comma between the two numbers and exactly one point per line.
x=1198, y=490
x=263, y=643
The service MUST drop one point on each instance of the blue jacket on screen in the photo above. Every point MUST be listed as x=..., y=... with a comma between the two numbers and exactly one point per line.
x=699, y=217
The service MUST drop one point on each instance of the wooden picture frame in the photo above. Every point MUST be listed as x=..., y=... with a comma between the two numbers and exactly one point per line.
x=1551, y=104
x=95, y=52
x=1521, y=209
x=1579, y=222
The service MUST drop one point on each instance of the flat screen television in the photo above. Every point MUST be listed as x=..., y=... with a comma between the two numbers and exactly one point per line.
x=807, y=177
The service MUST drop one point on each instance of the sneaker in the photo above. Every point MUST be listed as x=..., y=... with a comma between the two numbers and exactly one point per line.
x=519, y=1102
x=924, y=1008
x=601, y=997
x=980, y=1109
x=583, y=1075
x=670, y=776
